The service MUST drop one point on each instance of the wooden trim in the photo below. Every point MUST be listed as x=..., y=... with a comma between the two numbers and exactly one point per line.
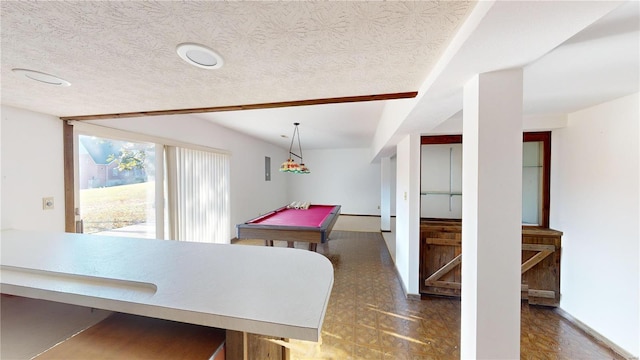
x=441, y=139
x=536, y=136
x=545, y=138
x=546, y=181
x=336, y=100
x=69, y=182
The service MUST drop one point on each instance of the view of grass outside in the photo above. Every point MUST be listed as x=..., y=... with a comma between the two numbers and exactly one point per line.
x=115, y=207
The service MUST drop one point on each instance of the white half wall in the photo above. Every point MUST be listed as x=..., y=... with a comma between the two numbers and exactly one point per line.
x=594, y=201
x=345, y=177
x=32, y=168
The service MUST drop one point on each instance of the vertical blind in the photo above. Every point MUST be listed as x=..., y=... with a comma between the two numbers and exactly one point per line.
x=198, y=195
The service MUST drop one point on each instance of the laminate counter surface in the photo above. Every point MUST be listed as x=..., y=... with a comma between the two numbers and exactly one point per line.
x=263, y=290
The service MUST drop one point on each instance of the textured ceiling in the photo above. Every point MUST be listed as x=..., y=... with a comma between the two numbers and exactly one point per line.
x=120, y=56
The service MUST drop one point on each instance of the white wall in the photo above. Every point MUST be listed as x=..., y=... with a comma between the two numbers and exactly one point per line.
x=32, y=168
x=251, y=195
x=32, y=165
x=594, y=201
x=345, y=177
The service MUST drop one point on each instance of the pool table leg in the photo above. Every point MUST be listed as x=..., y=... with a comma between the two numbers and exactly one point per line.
x=268, y=242
x=313, y=247
x=290, y=244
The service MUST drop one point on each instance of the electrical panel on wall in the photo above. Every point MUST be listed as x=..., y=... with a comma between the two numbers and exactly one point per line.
x=267, y=168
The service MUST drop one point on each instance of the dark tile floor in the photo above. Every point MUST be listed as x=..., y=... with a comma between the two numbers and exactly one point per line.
x=369, y=317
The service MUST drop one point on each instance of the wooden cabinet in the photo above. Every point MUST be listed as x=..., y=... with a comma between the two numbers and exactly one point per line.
x=441, y=259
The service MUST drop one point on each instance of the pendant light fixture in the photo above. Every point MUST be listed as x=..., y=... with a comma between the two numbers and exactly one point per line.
x=290, y=165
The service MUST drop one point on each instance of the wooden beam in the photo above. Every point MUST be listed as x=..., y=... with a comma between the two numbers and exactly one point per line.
x=337, y=100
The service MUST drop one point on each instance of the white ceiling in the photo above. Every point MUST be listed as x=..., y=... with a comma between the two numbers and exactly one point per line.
x=120, y=57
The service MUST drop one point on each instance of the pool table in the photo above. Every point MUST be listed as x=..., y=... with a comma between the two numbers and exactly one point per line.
x=311, y=225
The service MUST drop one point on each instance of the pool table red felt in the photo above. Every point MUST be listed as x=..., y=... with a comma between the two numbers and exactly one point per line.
x=311, y=225
x=314, y=216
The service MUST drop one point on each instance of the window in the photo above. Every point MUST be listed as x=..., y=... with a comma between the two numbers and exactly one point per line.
x=134, y=185
x=113, y=202
x=441, y=177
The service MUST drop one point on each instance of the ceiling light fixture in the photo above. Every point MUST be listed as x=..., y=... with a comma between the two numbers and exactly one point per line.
x=199, y=55
x=290, y=165
x=42, y=77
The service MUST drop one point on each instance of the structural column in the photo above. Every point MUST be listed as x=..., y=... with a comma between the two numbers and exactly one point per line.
x=491, y=216
x=385, y=194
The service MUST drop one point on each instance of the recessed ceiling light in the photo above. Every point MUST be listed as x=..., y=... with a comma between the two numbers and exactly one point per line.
x=200, y=56
x=42, y=77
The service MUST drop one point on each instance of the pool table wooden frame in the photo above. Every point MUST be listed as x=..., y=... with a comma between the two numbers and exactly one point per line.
x=290, y=234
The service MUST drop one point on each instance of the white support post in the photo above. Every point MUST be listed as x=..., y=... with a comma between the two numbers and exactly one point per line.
x=385, y=194
x=491, y=216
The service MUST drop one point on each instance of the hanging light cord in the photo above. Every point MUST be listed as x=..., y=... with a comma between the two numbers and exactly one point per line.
x=296, y=131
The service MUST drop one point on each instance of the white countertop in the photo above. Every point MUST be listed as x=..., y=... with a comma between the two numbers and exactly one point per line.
x=272, y=291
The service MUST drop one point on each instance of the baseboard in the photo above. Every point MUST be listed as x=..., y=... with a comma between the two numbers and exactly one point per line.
x=342, y=214
x=407, y=295
x=595, y=335
x=361, y=215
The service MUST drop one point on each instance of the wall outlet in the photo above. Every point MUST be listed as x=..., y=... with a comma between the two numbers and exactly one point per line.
x=47, y=203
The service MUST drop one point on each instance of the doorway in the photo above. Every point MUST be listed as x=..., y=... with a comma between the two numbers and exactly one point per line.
x=117, y=187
